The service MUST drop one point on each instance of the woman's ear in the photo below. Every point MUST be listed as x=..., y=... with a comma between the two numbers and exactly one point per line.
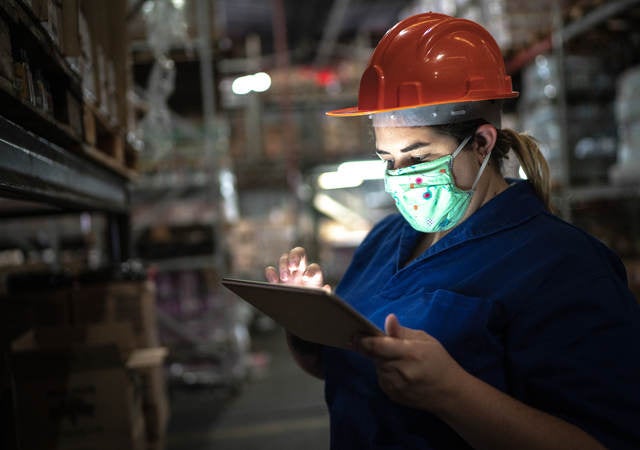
x=484, y=140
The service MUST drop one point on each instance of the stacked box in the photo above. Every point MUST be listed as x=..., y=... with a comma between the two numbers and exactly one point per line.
x=148, y=366
x=6, y=55
x=64, y=337
x=96, y=332
x=80, y=399
x=49, y=12
x=50, y=308
x=74, y=113
x=120, y=301
x=86, y=56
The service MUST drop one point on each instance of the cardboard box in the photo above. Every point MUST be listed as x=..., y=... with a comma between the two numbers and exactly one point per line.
x=49, y=307
x=148, y=364
x=73, y=112
x=6, y=54
x=49, y=12
x=70, y=31
x=40, y=9
x=144, y=366
x=86, y=57
x=120, y=301
x=81, y=399
x=53, y=308
x=69, y=337
x=89, y=124
x=92, y=313
x=109, y=38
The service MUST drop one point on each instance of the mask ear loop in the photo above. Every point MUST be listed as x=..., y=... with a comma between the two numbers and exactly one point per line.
x=457, y=151
x=482, y=167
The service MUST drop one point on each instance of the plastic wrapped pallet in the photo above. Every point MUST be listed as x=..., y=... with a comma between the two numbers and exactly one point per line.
x=542, y=122
x=627, y=113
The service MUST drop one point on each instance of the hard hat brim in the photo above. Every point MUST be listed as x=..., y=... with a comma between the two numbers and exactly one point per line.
x=354, y=111
x=431, y=114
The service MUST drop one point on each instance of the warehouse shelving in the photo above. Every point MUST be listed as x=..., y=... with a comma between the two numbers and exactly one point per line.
x=34, y=169
x=588, y=54
x=56, y=162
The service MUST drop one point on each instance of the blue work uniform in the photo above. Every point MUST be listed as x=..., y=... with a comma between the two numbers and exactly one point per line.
x=522, y=300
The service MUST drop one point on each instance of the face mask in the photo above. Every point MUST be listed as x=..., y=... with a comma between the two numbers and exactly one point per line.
x=426, y=194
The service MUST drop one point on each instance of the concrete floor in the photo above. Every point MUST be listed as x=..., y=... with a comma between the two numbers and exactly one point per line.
x=279, y=407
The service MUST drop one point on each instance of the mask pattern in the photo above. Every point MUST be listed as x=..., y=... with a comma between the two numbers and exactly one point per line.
x=426, y=195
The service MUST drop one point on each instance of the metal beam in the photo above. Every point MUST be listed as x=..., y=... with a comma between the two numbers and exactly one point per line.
x=595, y=17
x=34, y=169
x=570, y=31
x=331, y=31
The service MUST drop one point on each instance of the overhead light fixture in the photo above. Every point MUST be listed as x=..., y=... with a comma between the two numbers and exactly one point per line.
x=351, y=174
x=257, y=82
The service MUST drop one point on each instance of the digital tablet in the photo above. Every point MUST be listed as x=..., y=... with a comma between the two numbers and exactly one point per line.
x=312, y=314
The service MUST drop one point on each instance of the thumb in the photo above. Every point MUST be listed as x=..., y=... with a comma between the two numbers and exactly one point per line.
x=393, y=328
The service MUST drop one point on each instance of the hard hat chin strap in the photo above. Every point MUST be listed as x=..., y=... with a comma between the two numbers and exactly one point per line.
x=490, y=110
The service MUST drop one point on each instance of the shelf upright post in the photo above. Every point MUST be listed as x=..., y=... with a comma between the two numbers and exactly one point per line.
x=214, y=143
x=118, y=231
x=557, y=45
x=9, y=438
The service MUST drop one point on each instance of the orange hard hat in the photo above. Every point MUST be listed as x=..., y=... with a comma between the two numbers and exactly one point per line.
x=432, y=59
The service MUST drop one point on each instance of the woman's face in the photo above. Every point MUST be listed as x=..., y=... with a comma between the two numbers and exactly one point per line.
x=406, y=146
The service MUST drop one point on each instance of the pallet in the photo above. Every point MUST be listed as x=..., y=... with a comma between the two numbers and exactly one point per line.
x=106, y=142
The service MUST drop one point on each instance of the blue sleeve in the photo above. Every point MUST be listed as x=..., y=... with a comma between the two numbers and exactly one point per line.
x=574, y=352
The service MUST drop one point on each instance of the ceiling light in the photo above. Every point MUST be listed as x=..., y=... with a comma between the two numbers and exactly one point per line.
x=258, y=82
x=351, y=174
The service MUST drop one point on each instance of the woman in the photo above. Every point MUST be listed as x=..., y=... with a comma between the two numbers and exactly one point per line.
x=505, y=326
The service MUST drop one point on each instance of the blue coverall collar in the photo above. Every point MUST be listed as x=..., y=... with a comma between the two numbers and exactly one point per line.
x=511, y=207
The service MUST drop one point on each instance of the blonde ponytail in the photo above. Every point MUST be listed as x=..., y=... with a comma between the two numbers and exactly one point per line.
x=524, y=146
x=531, y=160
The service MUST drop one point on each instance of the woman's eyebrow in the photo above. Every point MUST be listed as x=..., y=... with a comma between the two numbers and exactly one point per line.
x=409, y=148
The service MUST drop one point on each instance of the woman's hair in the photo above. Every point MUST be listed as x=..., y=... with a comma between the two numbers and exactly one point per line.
x=524, y=146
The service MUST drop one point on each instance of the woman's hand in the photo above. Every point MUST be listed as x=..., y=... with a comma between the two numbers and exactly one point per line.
x=294, y=269
x=413, y=368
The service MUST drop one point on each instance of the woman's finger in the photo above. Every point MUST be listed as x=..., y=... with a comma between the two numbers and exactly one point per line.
x=313, y=276
x=297, y=259
x=283, y=268
x=271, y=274
x=383, y=347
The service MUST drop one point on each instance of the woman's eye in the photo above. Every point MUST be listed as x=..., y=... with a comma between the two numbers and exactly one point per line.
x=418, y=159
x=389, y=164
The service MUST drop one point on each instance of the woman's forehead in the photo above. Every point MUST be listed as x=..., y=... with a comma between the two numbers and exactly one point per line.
x=399, y=137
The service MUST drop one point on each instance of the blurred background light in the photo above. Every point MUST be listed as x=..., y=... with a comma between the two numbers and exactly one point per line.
x=257, y=82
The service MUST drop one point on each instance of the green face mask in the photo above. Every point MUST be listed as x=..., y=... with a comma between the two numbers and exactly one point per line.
x=426, y=194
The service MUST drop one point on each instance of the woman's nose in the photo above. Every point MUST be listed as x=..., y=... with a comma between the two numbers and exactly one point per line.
x=400, y=163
